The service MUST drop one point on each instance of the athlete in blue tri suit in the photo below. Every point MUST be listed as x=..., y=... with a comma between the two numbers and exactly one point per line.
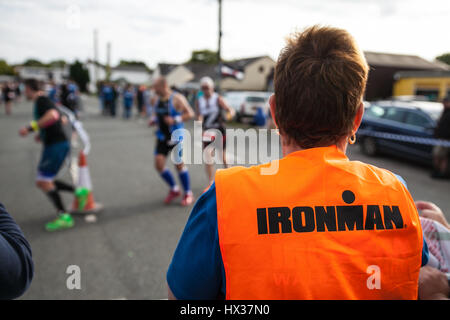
x=170, y=109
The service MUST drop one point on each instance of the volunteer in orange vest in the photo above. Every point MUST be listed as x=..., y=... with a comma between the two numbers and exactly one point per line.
x=312, y=225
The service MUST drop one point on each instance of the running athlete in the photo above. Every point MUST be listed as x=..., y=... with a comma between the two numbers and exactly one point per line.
x=8, y=97
x=171, y=109
x=49, y=123
x=209, y=108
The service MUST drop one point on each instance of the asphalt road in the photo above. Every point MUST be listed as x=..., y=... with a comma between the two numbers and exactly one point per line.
x=126, y=252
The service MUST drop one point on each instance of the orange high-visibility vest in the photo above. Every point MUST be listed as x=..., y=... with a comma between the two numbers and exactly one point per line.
x=322, y=227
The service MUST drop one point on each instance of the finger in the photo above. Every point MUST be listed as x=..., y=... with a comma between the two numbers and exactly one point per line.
x=430, y=214
x=421, y=205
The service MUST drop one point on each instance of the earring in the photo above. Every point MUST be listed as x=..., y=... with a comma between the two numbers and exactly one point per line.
x=352, y=139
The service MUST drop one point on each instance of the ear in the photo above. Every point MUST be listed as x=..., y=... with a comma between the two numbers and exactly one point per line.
x=272, y=108
x=358, y=117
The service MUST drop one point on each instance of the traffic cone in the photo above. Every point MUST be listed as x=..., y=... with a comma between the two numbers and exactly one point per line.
x=84, y=198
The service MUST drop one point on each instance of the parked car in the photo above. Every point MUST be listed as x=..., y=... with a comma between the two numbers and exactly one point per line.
x=246, y=103
x=405, y=119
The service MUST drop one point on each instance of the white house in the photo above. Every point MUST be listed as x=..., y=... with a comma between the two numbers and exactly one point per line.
x=43, y=73
x=131, y=74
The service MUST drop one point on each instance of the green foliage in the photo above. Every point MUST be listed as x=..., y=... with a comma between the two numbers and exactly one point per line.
x=34, y=63
x=204, y=56
x=445, y=58
x=79, y=74
x=6, y=69
x=58, y=63
x=132, y=63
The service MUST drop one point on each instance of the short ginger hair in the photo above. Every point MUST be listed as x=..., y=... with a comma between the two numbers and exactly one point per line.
x=319, y=81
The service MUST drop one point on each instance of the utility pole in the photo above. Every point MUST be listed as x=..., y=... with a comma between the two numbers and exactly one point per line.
x=108, y=61
x=95, y=56
x=219, y=49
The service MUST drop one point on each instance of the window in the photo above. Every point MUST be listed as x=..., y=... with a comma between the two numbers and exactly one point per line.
x=261, y=69
x=416, y=119
x=431, y=94
x=375, y=111
x=255, y=99
x=395, y=114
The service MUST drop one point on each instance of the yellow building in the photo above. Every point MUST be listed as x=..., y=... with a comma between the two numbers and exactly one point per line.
x=433, y=84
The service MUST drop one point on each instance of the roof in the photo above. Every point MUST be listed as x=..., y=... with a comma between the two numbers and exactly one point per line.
x=401, y=61
x=422, y=74
x=166, y=68
x=131, y=68
x=98, y=64
x=240, y=64
x=201, y=70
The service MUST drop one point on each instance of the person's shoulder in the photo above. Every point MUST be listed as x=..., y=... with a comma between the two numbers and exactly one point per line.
x=373, y=174
x=240, y=172
x=178, y=97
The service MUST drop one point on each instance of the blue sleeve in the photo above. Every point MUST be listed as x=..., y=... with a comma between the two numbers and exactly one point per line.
x=16, y=264
x=196, y=271
x=425, y=252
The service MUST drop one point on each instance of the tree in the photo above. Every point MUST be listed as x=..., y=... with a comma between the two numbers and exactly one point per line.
x=133, y=63
x=204, y=56
x=34, y=63
x=6, y=69
x=445, y=58
x=58, y=63
x=79, y=74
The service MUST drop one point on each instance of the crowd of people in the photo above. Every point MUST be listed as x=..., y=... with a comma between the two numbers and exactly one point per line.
x=109, y=94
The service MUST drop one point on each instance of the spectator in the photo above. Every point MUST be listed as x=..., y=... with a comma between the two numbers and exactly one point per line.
x=108, y=98
x=310, y=225
x=16, y=263
x=128, y=97
x=441, y=153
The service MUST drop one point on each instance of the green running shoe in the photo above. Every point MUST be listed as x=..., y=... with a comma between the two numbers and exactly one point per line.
x=82, y=197
x=64, y=221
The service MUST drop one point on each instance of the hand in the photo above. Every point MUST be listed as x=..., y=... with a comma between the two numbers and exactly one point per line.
x=170, y=121
x=431, y=211
x=37, y=138
x=23, y=131
x=433, y=284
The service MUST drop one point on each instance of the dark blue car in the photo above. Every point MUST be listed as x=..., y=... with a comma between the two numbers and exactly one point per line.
x=397, y=127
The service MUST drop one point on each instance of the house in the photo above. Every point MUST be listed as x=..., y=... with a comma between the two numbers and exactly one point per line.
x=131, y=74
x=97, y=72
x=56, y=74
x=256, y=74
x=175, y=74
x=257, y=71
x=198, y=71
x=383, y=67
x=433, y=84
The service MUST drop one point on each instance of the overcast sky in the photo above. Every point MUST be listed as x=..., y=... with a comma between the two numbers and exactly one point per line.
x=168, y=30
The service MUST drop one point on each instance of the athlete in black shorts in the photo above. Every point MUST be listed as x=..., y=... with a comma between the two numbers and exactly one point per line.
x=209, y=107
x=48, y=121
x=171, y=109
